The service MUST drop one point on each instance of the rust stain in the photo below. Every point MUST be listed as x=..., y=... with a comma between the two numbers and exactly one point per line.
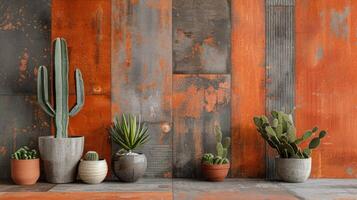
x=248, y=87
x=3, y=150
x=24, y=60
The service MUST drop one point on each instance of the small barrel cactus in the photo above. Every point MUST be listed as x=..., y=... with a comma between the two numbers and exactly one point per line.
x=25, y=153
x=91, y=156
x=221, y=150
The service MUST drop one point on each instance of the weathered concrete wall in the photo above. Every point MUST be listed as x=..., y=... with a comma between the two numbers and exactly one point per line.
x=24, y=40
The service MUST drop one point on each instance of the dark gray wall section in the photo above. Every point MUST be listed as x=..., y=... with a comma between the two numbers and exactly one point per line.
x=25, y=44
x=280, y=60
x=201, y=36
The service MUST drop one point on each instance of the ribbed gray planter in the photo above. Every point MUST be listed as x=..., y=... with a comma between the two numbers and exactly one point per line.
x=129, y=168
x=61, y=157
x=293, y=170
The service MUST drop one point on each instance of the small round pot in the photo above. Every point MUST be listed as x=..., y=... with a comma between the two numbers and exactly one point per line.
x=215, y=173
x=61, y=157
x=92, y=172
x=25, y=172
x=129, y=167
x=293, y=170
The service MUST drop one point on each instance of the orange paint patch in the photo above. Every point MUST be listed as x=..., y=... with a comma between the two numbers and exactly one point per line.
x=326, y=87
x=3, y=150
x=248, y=87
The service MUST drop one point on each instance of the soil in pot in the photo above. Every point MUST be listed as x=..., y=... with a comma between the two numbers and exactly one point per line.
x=92, y=172
x=129, y=167
x=61, y=157
x=293, y=170
x=25, y=172
x=212, y=172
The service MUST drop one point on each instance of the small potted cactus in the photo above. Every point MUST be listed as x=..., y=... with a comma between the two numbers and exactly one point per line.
x=25, y=166
x=130, y=133
x=61, y=153
x=91, y=169
x=293, y=163
x=216, y=167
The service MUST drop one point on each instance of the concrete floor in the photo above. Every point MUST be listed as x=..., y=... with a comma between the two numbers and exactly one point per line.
x=188, y=189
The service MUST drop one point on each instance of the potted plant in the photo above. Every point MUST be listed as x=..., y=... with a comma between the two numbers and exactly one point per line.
x=216, y=167
x=130, y=133
x=91, y=169
x=60, y=153
x=293, y=163
x=25, y=166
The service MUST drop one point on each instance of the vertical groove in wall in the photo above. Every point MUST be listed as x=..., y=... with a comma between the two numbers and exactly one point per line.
x=280, y=70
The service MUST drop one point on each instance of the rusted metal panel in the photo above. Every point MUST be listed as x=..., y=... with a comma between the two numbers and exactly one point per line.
x=280, y=69
x=86, y=27
x=199, y=103
x=326, y=81
x=142, y=71
x=24, y=40
x=22, y=122
x=201, y=37
x=248, y=87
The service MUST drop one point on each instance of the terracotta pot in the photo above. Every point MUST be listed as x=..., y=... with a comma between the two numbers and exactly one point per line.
x=92, y=171
x=25, y=172
x=129, y=168
x=215, y=172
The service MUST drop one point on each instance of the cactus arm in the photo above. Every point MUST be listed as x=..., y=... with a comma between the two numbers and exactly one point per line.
x=79, y=94
x=42, y=91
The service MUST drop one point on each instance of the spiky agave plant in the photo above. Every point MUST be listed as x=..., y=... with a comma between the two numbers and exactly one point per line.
x=129, y=132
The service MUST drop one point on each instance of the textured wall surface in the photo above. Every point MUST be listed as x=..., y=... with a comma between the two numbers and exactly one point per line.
x=248, y=87
x=24, y=38
x=188, y=65
x=326, y=80
x=142, y=73
x=86, y=27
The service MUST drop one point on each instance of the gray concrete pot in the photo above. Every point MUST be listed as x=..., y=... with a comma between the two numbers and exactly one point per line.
x=60, y=157
x=293, y=170
x=129, y=168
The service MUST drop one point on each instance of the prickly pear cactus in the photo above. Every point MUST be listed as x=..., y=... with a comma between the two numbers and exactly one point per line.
x=91, y=155
x=221, y=149
x=280, y=134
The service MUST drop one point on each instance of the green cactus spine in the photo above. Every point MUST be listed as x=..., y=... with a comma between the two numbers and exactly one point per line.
x=91, y=155
x=61, y=111
x=280, y=134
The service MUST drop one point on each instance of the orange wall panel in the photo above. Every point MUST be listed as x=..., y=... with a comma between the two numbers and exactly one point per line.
x=248, y=87
x=326, y=82
x=86, y=26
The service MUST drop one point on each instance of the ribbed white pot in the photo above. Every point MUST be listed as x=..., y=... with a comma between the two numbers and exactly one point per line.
x=92, y=172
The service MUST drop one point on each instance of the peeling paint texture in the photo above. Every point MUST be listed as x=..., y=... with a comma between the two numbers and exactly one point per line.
x=141, y=72
x=25, y=44
x=201, y=37
x=199, y=103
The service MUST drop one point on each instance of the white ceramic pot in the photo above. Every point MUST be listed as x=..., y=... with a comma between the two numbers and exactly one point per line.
x=92, y=172
x=293, y=170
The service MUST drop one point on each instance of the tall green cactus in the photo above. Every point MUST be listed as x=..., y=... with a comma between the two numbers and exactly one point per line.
x=280, y=134
x=61, y=112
